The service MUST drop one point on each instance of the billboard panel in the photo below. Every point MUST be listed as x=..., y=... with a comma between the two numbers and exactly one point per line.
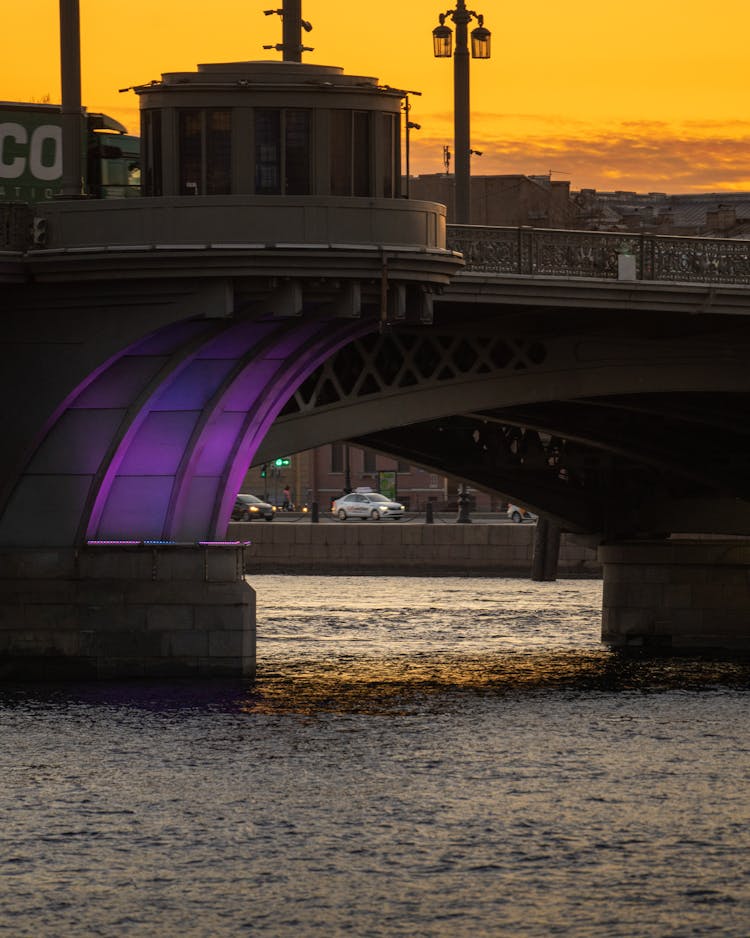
x=387, y=483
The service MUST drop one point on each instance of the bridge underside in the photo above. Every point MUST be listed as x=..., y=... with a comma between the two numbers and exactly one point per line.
x=614, y=412
x=610, y=425
x=620, y=466
x=626, y=428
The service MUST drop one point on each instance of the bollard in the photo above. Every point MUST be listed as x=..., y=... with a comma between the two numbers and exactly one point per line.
x=463, y=507
x=314, y=519
x=429, y=519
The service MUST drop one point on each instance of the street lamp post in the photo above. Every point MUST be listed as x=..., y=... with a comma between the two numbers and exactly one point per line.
x=409, y=126
x=347, y=470
x=293, y=24
x=442, y=37
x=292, y=30
x=72, y=114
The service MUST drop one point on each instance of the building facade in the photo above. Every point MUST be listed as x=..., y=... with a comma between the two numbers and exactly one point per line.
x=503, y=200
x=542, y=202
x=320, y=475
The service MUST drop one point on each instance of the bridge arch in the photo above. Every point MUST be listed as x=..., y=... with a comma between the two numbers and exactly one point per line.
x=403, y=377
x=155, y=443
x=599, y=415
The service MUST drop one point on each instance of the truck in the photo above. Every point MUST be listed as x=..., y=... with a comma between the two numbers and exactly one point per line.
x=31, y=154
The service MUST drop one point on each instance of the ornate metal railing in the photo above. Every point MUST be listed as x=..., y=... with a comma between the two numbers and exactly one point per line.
x=558, y=253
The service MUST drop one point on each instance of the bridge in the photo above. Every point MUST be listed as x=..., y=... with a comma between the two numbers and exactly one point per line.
x=154, y=349
x=589, y=398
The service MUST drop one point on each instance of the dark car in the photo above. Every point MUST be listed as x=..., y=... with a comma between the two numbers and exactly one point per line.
x=251, y=508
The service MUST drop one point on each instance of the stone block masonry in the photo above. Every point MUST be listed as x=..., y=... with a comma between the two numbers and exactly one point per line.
x=124, y=612
x=678, y=595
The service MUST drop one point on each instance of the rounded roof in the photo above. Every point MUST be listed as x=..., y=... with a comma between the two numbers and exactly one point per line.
x=267, y=74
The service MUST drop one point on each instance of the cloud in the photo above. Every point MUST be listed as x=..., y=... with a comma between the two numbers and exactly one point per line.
x=695, y=156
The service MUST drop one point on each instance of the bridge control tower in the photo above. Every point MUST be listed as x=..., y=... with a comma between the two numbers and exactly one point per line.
x=153, y=341
x=270, y=128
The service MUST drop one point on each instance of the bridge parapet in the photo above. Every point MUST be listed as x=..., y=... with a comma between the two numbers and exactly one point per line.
x=247, y=237
x=264, y=221
x=245, y=221
x=597, y=254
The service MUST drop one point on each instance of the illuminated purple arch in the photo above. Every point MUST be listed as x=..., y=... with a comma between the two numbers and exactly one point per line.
x=156, y=443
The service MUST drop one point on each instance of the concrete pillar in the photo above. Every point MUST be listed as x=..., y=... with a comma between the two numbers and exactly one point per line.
x=125, y=611
x=546, y=551
x=683, y=595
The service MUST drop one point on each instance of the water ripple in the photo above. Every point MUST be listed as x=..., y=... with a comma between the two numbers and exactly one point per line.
x=439, y=758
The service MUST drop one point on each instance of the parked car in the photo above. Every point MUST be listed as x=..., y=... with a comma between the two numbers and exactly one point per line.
x=518, y=514
x=251, y=508
x=366, y=505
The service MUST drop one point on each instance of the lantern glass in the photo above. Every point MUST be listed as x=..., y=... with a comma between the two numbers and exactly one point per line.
x=442, y=41
x=480, y=43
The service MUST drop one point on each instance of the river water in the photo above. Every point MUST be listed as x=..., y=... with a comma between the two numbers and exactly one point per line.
x=419, y=757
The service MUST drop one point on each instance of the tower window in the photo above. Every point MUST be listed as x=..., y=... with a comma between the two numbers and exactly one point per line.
x=205, y=151
x=350, y=153
x=282, y=151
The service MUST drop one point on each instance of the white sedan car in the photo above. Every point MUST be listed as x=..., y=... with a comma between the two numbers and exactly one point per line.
x=518, y=515
x=366, y=505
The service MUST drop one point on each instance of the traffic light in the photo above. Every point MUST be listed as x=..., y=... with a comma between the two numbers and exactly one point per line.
x=263, y=470
x=282, y=461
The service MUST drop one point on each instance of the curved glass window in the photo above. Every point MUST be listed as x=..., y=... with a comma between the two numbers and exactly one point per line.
x=389, y=154
x=350, y=153
x=152, y=152
x=205, y=151
x=283, y=157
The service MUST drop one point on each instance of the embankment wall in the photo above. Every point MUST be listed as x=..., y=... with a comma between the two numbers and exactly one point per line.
x=403, y=549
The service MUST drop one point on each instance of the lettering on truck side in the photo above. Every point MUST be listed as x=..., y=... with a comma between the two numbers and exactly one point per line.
x=30, y=156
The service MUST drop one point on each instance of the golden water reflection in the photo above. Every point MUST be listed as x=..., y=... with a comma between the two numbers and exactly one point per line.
x=403, y=684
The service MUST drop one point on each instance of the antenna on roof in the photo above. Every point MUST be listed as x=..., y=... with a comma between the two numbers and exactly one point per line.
x=447, y=159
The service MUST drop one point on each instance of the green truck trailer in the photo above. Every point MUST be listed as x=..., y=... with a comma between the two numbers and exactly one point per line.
x=31, y=155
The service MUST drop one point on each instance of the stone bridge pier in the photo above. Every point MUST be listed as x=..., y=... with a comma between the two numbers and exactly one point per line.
x=115, y=611
x=682, y=595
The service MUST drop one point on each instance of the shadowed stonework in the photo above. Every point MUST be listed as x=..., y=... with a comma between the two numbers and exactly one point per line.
x=117, y=611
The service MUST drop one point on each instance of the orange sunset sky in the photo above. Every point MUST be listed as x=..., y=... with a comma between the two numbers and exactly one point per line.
x=651, y=95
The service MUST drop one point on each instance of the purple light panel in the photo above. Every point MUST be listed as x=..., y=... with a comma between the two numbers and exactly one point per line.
x=158, y=440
